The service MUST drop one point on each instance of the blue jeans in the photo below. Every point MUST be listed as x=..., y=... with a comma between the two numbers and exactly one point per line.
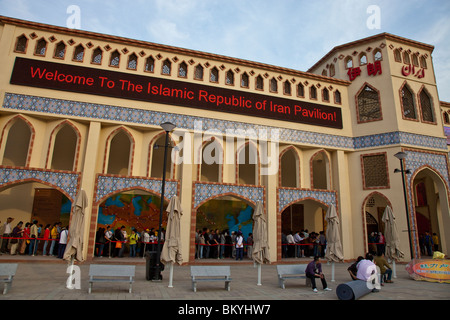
x=239, y=253
x=132, y=250
x=44, y=251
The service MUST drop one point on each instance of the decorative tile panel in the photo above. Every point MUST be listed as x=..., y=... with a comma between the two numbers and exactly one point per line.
x=147, y=117
x=204, y=191
x=65, y=181
x=108, y=185
x=287, y=196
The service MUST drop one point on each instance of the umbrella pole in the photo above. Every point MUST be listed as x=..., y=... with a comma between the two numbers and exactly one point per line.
x=259, y=274
x=394, y=271
x=171, y=275
x=332, y=272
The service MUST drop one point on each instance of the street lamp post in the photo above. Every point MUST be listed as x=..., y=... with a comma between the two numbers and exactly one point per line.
x=167, y=127
x=401, y=156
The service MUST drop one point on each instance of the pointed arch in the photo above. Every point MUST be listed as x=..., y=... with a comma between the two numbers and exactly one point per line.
x=285, y=174
x=408, y=103
x=245, y=161
x=426, y=106
x=153, y=156
x=63, y=146
x=16, y=148
x=117, y=159
x=320, y=166
x=215, y=164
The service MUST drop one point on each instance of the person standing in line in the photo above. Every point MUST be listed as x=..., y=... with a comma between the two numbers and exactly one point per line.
x=201, y=244
x=133, y=243
x=222, y=244
x=381, y=243
x=62, y=242
x=54, y=234
x=16, y=233
x=25, y=241
x=290, y=244
x=250, y=245
x=46, y=239
x=428, y=243
x=34, y=235
x=435, y=241
x=239, y=246
x=313, y=271
x=322, y=244
x=233, y=247
x=6, y=232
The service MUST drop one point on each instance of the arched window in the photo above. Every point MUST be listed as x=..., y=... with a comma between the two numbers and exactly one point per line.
x=212, y=159
x=377, y=55
x=198, y=75
x=423, y=62
x=348, y=62
x=17, y=144
x=182, y=70
x=289, y=169
x=78, y=53
x=245, y=80
x=337, y=97
x=397, y=55
x=120, y=149
x=229, y=78
x=97, y=56
x=149, y=64
x=248, y=165
x=446, y=118
x=369, y=108
x=64, y=149
x=132, y=62
x=21, y=44
x=320, y=171
x=362, y=59
x=408, y=105
x=287, y=88
x=406, y=59
x=313, y=92
x=115, y=59
x=166, y=67
x=214, y=75
x=325, y=95
x=60, y=50
x=273, y=85
x=157, y=166
x=426, y=106
x=332, y=70
x=41, y=47
x=415, y=59
x=259, y=83
x=301, y=90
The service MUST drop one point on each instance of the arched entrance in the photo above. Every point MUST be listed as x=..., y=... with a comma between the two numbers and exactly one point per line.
x=431, y=208
x=134, y=209
x=219, y=219
x=32, y=200
x=374, y=206
x=306, y=217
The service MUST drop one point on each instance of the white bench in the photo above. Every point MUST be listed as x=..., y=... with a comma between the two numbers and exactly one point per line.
x=7, y=273
x=210, y=273
x=111, y=273
x=292, y=271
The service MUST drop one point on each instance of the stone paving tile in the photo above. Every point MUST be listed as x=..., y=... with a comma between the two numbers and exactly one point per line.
x=45, y=279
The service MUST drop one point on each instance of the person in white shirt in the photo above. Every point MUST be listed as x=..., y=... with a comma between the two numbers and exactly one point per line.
x=239, y=246
x=62, y=242
x=7, y=230
x=367, y=271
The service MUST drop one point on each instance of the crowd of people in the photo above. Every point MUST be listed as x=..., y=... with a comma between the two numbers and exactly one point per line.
x=302, y=243
x=117, y=243
x=215, y=244
x=32, y=238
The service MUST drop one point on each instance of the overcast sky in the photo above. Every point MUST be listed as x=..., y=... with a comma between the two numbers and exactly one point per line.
x=287, y=33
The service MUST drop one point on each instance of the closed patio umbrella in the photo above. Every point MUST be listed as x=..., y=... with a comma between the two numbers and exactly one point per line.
x=74, y=248
x=392, y=251
x=260, y=252
x=171, y=252
x=334, y=246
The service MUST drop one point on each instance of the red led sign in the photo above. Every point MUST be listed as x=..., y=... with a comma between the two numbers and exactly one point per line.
x=49, y=75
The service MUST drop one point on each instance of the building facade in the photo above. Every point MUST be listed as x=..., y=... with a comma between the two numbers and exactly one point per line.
x=82, y=111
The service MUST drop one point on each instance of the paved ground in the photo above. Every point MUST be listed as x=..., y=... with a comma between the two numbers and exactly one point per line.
x=44, y=278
